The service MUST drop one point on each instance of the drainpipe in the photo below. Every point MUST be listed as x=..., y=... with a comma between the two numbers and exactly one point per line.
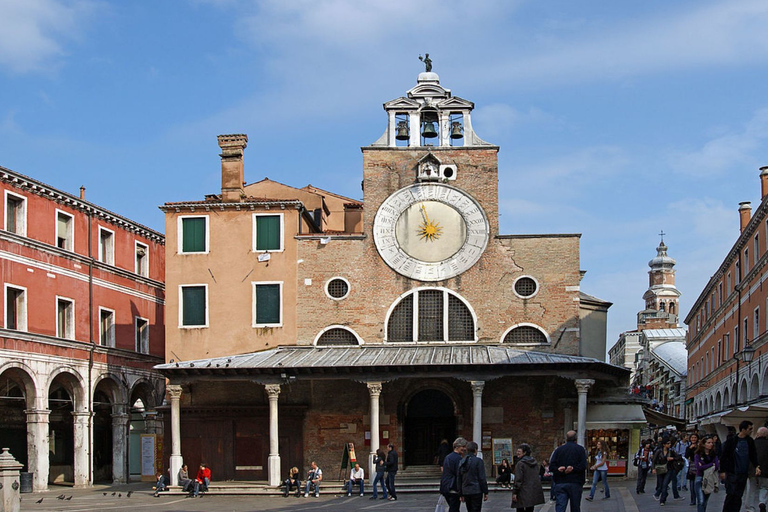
x=92, y=346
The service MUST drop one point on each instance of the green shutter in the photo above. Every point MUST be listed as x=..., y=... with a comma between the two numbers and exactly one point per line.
x=193, y=234
x=193, y=305
x=268, y=233
x=267, y=304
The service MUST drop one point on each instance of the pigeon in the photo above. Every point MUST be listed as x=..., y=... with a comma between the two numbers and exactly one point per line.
x=60, y=497
x=104, y=493
x=129, y=494
x=39, y=501
x=69, y=498
x=120, y=495
x=114, y=493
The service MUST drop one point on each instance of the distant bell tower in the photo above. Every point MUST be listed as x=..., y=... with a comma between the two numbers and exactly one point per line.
x=662, y=298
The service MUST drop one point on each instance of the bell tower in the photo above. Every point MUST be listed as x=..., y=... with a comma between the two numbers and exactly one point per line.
x=662, y=298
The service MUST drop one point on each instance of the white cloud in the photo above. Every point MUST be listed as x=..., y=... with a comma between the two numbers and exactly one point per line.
x=33, y=32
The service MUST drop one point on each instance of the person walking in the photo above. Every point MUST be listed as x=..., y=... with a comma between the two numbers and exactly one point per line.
x=600, y=467
x=761, y=482
x=391, y=472
x=682, y=476
x=380, y=463
x=643, y=458
x=474, y=485
x=690, y=475
x=738, y=453
x=663, y=466
x=568, y=466
x=450, y=484
x=527, y=491
x=704, y=459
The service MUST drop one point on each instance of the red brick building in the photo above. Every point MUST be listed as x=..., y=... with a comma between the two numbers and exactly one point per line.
x=83, y=326
x=418, y=322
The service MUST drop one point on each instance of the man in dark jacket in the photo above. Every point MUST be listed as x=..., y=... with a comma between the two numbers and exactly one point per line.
x=738, y=453
x=391, y=472
x=568, y=466
x=760, y=482
x=474, y=485
x=449, y=480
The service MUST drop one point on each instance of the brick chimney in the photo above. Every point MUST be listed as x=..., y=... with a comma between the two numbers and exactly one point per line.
x=763, y=181
x=745, y=213
x=232, y=148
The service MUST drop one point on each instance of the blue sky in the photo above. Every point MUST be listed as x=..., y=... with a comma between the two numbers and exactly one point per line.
x=615, y=119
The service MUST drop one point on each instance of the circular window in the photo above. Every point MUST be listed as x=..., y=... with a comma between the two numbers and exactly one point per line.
x=526, y=287
x=337, y=288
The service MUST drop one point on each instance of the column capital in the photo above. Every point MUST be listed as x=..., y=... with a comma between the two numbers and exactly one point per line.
x=477, y=386
x=583, y=385
x=174, y=391
x=273, y=390
x=38, y=415
x=81, y=415
x=374, y=388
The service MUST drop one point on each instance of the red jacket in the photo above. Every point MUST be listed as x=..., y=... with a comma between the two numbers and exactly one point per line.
x=203, y=473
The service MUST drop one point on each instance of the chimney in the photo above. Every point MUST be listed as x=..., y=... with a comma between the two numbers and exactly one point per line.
x=82, y=192
x=763, y=181
x=232, y=147
x=745, y=213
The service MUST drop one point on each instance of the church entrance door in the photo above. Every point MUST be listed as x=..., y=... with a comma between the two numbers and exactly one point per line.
x=429, y=419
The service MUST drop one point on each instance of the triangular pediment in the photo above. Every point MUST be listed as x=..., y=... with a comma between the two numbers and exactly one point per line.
x=429, y=157
x=457, y=103
x=429, y=91
x=402, y=103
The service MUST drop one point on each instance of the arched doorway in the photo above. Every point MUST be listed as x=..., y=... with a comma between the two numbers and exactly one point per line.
x=429, y=418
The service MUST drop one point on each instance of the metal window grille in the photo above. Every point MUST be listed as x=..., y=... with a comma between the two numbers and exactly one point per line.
x=431, y=315
x=525, y=334
x=337, y=336
x=525, y=287
x=338, y=288
x=400, y=327
x=461, y=325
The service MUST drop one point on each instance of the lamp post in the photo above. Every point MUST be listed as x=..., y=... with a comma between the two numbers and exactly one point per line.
x=748, y=353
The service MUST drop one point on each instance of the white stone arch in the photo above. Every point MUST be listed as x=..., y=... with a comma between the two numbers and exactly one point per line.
x=711, y=404
x=22, y=374
x=726, y=397
x=399, y=299
x=733, y=394
x=73, y=382
x=338, y=326
x=764, y=379
x=527, y=324
x=754, y=387
x=743, y=390
x=113, y=385
x=150, y=392
x=719, y=401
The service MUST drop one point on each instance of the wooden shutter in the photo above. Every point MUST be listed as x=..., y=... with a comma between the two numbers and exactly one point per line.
x=193, y=234
x=268, y=233
x=267, y=304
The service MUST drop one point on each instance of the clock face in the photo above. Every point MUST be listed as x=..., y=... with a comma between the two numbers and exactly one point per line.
x=430, y=231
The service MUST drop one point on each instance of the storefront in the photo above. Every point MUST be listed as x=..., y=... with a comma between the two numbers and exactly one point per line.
x=618, y=427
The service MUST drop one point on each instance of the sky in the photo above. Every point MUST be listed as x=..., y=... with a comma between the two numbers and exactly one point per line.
x=616, y=120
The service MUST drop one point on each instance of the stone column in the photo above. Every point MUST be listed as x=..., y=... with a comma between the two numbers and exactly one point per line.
x=174, y=393
x=120, y=423
x=582, y=386
x=150, y=422
x=82, y=470
x=374, y=391
x=477, y=414
x=10, y=500
x=37, y=448
x=273, y=471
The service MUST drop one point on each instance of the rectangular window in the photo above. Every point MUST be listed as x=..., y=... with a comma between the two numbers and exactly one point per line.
x=65, y=318
x=15, y=308
x=720, y=293
x=65, y=235
x=746, y=261
x=728, y=287
x=142, y=259
x=106, y=246
x=106, y=327
x=193, y=234
x=727, y=353
x=142, y=335
x=267, y=232
x=719, y=352
x=193, y=310
x=756, y=324
x=757, y=246
x=267, y=304
x=15, y=213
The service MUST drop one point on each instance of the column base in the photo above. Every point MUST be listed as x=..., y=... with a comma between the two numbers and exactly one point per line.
x=176, y=462
x=273, y=473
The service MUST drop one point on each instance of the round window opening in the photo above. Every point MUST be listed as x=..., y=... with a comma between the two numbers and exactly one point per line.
x=525, y=287
x=338, y=288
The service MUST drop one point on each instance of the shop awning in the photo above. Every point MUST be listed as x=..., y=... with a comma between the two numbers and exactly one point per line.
x=755, y=413
x=615, y=416
x=662, y=419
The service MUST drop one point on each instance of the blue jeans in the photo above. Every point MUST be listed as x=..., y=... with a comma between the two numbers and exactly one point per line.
x=316, y=484
x=391, y=484
x=206, y=482
x=565, y=493
x=352, y=484
x=379, y=478
x=669, y=477
x=701, y=498
x=600, y=474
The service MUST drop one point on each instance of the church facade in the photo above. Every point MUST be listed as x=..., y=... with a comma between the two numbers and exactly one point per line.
x=300, y=321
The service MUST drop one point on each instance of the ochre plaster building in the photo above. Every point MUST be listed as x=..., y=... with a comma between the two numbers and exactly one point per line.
x=300, y=321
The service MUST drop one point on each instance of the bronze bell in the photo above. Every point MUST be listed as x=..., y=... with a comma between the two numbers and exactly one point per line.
x=429, y=130
x=402, y=131
x=456, y=130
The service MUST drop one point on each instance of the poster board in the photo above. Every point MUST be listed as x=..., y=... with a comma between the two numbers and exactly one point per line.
x=502, y=449
x=148, y=457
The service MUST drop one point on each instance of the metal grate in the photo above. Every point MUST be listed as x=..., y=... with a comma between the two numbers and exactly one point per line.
x=525, y=287
x=400, y=327
x=461, y=325
x=338, y=288
x=525, y=334
x=337, y=336
x=431, y=315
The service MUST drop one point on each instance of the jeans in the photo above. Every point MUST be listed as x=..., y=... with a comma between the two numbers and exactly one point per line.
x=701, y=498
x=600, y=474
x=474, y=502
x=352, y=483
x=568, y=492
x=206, y=482
x=734, y=490
x=669, y=477
x=379, y=478
x=316, y=484
x=642, y=477
x=391, y=484
x=290, y=483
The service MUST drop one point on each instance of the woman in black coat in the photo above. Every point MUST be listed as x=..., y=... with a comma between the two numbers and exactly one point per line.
x=527, y=491
x=505, y=473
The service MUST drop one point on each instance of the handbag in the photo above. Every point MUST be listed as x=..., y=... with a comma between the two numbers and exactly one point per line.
x=660, y=469
x=709, y=481
x=442, y=505
x=678, y=464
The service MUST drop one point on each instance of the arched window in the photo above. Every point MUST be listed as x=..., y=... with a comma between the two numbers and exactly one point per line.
x=672, y=307
x=430, y=314
x=335, y=336
x=526, y=334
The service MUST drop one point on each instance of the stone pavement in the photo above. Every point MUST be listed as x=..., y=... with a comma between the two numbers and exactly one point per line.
x=623, y=499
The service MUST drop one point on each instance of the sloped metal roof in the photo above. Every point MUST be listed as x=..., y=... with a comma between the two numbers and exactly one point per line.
x=674, y=354
x=654, y=334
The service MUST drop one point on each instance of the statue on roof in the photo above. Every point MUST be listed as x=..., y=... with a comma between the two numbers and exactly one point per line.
x=427, y=62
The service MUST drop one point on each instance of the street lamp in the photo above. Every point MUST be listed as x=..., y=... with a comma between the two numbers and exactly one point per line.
x=747, y=354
